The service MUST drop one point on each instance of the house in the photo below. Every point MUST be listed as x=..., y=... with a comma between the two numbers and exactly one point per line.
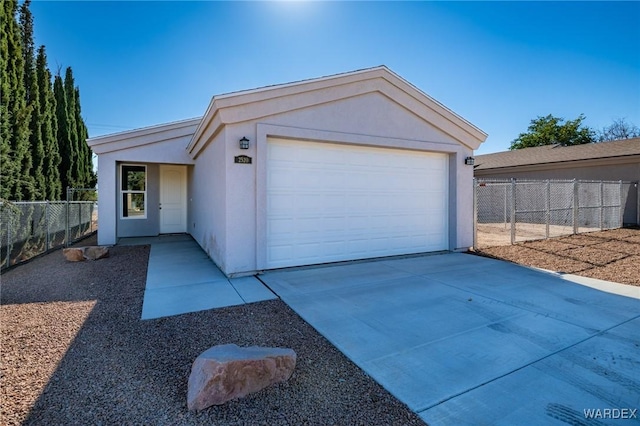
x=350, y=166
x=608, y=161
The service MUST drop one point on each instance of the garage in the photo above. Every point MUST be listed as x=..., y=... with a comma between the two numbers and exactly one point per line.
x=350, y=166
x=329, y=202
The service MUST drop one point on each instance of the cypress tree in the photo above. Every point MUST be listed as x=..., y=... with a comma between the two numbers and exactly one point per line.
x=48, y=128
x=77, y=167
x=62, y=135
x=86, y=155
x=15, y=181
x=7, y=165
x=28, y=53
x=36, y=188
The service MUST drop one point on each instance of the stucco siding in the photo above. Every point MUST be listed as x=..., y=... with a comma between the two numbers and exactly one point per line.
x=372, y=120
x=207, y=202
x=107, y=211
x=369, y=114
x=462, y=187
x=227, y=201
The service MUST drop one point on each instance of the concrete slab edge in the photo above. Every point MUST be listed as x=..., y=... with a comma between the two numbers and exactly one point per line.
x=626, y=290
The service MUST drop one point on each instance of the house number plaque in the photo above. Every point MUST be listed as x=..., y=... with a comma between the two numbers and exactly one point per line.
x=242, y=159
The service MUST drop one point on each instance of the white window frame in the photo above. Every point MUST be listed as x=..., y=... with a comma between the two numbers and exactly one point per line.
x=122, y=192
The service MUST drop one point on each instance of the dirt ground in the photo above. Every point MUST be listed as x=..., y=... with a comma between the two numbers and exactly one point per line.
x=73, y=351
x=612, y=255
x=499, y=234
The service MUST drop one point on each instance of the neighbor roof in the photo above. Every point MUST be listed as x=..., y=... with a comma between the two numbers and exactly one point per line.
x=558, y=154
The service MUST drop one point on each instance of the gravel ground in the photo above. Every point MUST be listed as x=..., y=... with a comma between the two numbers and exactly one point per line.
x=75, y=352
x=612, y=255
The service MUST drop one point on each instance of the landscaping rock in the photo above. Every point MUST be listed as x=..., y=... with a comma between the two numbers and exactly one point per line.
x=73, y=254
x=77, y=254
x=227, y=372
x=96, y=252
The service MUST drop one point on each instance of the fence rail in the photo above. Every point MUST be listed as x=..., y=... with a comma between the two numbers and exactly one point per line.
x=28, y=229
x=510, y=211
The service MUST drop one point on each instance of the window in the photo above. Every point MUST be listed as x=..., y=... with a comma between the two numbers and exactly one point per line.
x=134, y=191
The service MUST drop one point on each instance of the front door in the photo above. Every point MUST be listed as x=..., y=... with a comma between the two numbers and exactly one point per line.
x=173, y=199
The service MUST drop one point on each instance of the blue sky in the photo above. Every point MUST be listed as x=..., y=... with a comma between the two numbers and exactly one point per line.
x=497, y=64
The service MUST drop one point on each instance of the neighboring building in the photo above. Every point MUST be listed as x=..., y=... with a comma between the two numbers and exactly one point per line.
x=351, y=166
x=610, y=161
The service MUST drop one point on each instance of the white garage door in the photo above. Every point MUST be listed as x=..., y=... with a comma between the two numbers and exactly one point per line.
x=329, y=202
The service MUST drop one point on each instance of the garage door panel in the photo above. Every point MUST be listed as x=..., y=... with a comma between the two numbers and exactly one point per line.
x=328, y=202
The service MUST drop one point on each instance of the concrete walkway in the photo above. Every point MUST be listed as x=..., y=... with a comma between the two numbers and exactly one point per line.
x=466, y=340
x=181, y=279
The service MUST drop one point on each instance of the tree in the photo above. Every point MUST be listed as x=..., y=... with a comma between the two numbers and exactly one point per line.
x=34, y=162
x=48, y=128
x=42, y=134
x=77, y=168
x=86, y=155
x=618, y=130
x=7, y=165
x=62, y=134
x=15, y=181
x=552, y=130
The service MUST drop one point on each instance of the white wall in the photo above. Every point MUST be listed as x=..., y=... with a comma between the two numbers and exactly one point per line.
x=169, y=151
x=371, y=119
x=207, y=201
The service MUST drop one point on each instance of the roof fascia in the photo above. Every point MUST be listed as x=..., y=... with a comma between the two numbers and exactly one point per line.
x=603, y=161
x=234, y=108
x=143, y=136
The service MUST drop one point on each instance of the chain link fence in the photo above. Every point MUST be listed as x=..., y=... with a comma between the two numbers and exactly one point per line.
x=511, y=211
x=28, y=229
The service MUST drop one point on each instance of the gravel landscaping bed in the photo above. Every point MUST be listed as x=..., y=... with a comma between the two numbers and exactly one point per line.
x=75, y=352
x=612, y=255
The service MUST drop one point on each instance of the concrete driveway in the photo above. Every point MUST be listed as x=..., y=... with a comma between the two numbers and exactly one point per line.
x=466, y=340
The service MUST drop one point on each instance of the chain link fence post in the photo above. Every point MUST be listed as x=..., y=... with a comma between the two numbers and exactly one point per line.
x=9, y=243
x=475, y=213
x=46, y=220
x=66, y=227
x=547, y=213
x=513, y=211
x=575, y=206
x=621, y=208
x=602, y=205
x=506, y=195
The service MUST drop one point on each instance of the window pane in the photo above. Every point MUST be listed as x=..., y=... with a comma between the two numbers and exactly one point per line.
x=132, y=205
x=133, y=178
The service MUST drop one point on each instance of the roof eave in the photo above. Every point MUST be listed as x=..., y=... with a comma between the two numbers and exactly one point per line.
x=462, y=130
x=142, y=136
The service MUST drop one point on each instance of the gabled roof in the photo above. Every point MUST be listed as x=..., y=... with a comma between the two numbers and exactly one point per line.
x=558, y=154
x=258, y=103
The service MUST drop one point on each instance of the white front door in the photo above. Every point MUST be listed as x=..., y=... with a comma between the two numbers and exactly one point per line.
x=173, y=199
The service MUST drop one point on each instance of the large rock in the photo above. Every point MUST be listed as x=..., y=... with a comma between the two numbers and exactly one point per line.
x=76, y=254
x=96, y=252
x=227, y=372
x=73, y=254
